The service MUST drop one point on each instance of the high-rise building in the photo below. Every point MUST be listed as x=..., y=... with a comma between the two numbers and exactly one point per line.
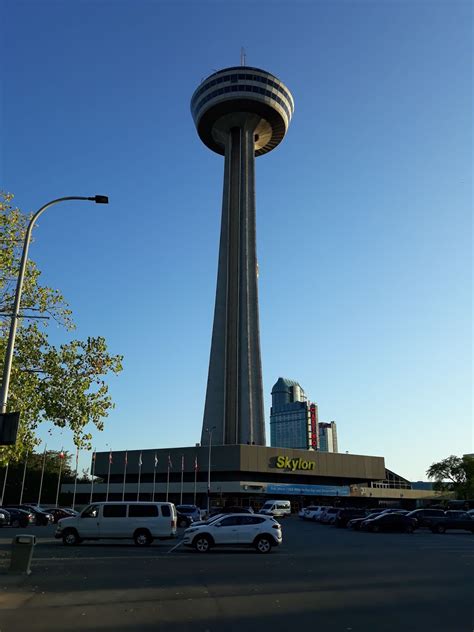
x=293, y=420
x=240, y=113
x=328, y=437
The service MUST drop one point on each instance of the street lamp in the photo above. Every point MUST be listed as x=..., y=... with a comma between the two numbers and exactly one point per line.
x=209, y=432
x=98, y=199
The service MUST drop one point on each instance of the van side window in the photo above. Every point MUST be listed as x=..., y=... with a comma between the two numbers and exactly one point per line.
x=165, y=511
x=91, y=512
x=142, y=511
x=115, y=511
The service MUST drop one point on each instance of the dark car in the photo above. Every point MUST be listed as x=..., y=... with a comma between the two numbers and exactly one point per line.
x=453, y=520
x=424, y=517
x=354, y=523
x=389, y=522
x=41, y=517
x=61, y=512
x=345, y=515
x=20, y=517
x=183, y=520
x=4, y=518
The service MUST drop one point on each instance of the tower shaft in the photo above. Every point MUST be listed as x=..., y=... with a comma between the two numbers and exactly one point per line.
x=234, y=396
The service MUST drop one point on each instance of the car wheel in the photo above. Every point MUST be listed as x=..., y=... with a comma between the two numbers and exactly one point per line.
x=375, y=529
x=142, y=538
x=409, y=529
x=183, y=523
x=440, y=529
x=202, y=544
x=15, y=523
x=71, y=538
x=263, y=545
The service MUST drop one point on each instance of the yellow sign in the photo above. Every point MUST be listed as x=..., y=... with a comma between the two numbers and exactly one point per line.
x=285, y=463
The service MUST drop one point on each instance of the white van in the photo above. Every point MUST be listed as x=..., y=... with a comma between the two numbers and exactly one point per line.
x=139, y=521
x=276, y=508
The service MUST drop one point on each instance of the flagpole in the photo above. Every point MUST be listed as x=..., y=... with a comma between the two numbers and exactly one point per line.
x=168, y=479
x=182, y=475
x=24, y=476
x=75, y=479
x=4, y=483
x=139, y=476
x=42, y=475
x=92, y=477
x=154, y=478
x=195, y=479
x=61, y=457
x=124, y=475
x=108, y=477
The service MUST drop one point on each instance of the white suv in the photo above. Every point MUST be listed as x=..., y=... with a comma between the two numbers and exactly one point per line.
x=262, y=532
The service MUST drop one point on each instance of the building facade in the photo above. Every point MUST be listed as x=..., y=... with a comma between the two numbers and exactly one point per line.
x=328, y=437
x=290, y=416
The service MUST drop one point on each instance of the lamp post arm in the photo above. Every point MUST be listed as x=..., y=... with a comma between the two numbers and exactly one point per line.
x=16, y=305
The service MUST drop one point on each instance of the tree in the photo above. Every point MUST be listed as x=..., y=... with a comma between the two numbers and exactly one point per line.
x=65, y=385
x=454, y=474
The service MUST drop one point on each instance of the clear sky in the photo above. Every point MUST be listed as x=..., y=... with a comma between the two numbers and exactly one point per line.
x=363, y=211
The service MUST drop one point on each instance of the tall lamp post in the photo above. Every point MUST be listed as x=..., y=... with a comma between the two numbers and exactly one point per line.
x=7, y=366
x=209, y=431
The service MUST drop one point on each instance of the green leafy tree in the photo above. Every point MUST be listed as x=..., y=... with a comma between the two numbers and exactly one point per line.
x=64, y=385
x=454, y=474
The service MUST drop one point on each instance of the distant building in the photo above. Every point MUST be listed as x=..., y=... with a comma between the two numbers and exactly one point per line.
x=328, y=437
x=290, y=416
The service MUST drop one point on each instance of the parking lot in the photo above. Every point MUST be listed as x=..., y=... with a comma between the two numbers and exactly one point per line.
x=320, y=578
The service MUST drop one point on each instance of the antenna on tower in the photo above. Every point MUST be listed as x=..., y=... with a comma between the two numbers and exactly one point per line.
x=242, y=56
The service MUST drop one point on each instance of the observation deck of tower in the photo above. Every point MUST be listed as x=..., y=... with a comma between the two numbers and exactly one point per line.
x=239, y=112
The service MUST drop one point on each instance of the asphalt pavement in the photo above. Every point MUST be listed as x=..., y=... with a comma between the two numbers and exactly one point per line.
x=321, y=578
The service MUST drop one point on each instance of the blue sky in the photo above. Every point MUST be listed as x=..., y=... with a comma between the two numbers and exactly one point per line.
x=363, y=212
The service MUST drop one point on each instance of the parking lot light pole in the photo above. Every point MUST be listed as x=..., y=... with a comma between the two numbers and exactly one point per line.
x=98, y=199
x=209, y=432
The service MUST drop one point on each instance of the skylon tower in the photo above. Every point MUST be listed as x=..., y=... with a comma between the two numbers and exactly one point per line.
x=239, y=112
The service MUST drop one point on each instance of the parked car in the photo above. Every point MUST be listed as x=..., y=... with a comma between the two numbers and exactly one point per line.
x=61, y=512
x=424, y=517
x=4, y=518
x=354, y=523
x=189, y=510
x=344, y=515
x=260, y=531
x=183, y=520
x=453, y=520
x=20, y=517
x=302, y=513
x=389, y=522
x=42, y=518
x=329, y=516
x=140, y=521
x=315, y=512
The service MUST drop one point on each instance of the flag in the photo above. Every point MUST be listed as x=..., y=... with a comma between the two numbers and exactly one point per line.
x=156, y=460
x=170, y=465
x=182, y=463
x=110, y=457
x=140, y=462
x=126, y=459
x=195, y=464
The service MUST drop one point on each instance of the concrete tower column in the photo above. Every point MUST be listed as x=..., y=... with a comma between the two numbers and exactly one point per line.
x=240, y=118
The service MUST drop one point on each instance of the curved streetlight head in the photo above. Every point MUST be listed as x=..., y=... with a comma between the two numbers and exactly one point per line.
x=99, y=199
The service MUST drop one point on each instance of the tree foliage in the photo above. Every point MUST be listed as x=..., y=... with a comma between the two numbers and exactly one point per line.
x=65, y=385
x=454, y=474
